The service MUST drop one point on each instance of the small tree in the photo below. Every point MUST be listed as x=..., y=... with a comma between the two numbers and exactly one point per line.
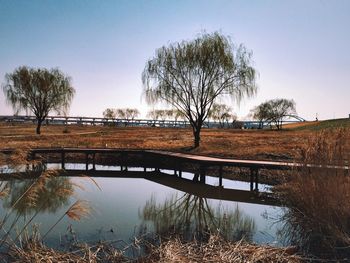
x=222, y=113
x=128, y=114
x=274, y=111
x=261, y=113
x=178, y=115
x=153, y=114
x=38, y=90
x=131, y=113
x=159, y=114
x=120, y=113
x=109, y=113
x=169, y=114
x=191, y=75
x=162, y=114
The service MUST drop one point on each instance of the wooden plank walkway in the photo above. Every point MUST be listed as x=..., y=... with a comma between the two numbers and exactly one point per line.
x=173, y=161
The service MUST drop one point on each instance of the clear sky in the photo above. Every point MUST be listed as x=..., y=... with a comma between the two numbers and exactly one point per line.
x=300, y=48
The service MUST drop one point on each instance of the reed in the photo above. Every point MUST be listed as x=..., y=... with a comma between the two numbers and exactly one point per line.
x=318, y=199
x=75, y=212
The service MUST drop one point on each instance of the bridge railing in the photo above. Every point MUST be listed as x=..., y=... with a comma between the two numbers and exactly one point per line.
x=70, y=120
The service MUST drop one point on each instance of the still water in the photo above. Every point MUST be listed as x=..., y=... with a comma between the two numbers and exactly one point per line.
x=122, y=208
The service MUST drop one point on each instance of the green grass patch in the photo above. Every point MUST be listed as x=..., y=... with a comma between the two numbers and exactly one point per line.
x=327, y=124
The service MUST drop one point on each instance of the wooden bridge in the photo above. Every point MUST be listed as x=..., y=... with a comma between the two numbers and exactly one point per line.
x=152, y=162
x=151, y=159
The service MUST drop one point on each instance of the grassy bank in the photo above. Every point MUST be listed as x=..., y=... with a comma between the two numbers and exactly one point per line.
x=215, y=250
x=321, y=125
x=246, y=144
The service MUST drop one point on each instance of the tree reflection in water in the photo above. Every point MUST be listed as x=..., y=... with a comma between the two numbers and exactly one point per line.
x=36, y=195
x=29, y=197
x=191, y=217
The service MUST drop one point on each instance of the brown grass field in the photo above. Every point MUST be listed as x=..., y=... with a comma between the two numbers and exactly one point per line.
x=242, y=144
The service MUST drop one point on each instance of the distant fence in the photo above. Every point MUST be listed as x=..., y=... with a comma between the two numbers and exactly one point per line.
x=68, y=120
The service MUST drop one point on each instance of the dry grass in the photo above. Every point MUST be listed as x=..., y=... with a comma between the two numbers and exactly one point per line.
x=247, y=144
x=300, y=124
x=35, y=252
x=219, y=250
x=215, y=250
x=318, y=217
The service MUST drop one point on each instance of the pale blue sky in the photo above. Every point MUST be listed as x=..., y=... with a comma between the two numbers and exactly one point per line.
x=300, y=48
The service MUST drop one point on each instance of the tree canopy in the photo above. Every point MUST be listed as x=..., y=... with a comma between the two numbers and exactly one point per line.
x=192, y=75
x=273, y=111
x=38, y=90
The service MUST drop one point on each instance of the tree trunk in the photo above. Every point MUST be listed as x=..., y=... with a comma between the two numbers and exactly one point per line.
x=38, y=126
x=197, y=138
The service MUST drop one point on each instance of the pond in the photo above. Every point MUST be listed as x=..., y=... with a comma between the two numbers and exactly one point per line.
x=125, y=208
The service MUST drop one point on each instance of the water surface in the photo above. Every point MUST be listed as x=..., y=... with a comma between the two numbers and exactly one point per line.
x=123, y=208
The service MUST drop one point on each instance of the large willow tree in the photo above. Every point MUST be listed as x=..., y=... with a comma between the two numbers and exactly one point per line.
x=192, y=75
x=38, y=90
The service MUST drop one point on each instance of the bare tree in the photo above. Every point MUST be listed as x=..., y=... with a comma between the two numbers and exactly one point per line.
x=131, y=114
x=162, y=114
x=158, y=114
x=178, y=115
x=169, y=114
x=120, y=113
x=274, y=111
x=39, y=90
x=127, y=113
x=192, y=75
x=153, y=114
x=261, y=113
x=110, y=113
x=223, y=114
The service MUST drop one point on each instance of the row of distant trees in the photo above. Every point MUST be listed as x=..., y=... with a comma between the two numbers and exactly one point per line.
x=189, y=76
x=219, y=112
x=128, y=113
x=272, y=112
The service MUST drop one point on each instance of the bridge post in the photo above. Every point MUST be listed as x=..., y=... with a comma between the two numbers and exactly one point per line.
x=123, y=164
x=62, y=160
x=195, y=177
x=251, y=180
x=87, y=162
x=93, y=161
x=254, y=174
x=180, y=174
x=30, y=157
x=220, y=175
x=202, y=174
x=256, y=179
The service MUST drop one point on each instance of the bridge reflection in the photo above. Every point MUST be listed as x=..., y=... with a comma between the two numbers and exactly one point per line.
x=187, y=186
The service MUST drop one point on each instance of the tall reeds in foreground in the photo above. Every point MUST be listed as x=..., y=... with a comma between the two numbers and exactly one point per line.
x=46, y=191
x=318, y=199
x=75, y=212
